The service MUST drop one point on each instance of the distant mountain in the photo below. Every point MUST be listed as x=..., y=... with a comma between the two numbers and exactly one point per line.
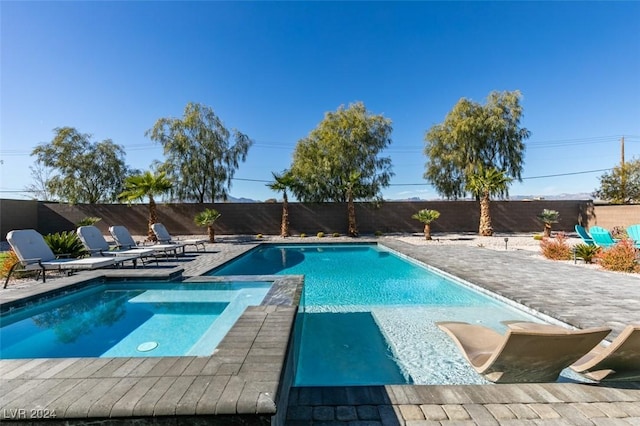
x=231, y=199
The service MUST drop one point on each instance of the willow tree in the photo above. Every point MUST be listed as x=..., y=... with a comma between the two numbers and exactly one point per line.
x=79, y=170
x=484, y=184
x=474, y=137
x=201, y=154
x=621, y=185
x=340, y=160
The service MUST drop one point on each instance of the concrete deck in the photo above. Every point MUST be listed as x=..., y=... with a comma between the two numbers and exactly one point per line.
x=243, y=379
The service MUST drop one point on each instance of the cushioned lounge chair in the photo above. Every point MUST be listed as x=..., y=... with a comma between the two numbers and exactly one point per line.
x=95, y=243
x=633, y=232
x=164, y=237
x=586, y=238
x=124, y=240
x=521, y=355
x=620, y=360
x=602, y=237
x=34, y=254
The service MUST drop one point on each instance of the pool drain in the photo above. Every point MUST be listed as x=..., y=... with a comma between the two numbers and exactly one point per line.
x=147, y=346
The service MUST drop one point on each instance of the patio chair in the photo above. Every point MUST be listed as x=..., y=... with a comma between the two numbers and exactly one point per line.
x=94, y=242
x=124, y=240
x=164, y=237
x=521, y=355
x=620, y=360
x=633, y=232
x=586, y=238
x=34, y=254
x=602, y=237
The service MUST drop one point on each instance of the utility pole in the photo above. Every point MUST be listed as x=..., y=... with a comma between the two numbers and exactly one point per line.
x=623, y=172
x=622, y=152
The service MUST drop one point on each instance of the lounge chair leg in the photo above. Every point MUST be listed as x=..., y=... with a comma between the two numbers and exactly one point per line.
x=9, y=274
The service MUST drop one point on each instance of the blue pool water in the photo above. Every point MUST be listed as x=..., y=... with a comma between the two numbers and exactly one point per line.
x=132, y=319
x=367, y=315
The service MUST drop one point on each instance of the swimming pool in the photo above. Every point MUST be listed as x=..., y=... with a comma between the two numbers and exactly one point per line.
x=367, y=314
x=131, y=319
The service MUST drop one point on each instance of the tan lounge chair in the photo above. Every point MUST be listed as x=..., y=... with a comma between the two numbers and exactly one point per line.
x=620, y=360
x=521, y=355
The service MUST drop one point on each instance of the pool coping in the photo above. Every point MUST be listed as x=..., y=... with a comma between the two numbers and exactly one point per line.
x=393, y=404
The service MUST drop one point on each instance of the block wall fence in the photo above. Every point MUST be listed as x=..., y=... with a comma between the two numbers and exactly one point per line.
x=264, y=218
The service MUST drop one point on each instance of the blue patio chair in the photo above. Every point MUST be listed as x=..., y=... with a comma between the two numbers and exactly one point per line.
x=602, y=237
x=586, y=238
x=633, y=232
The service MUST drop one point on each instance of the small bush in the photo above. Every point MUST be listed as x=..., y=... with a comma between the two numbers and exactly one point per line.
x=619, y=233
x=303, y=235
x=320, y=234
x=586, y=252
x=557, y=248
x=65, y=243
x=88, y=221
x=335, y=234
x=259, y=236
x=7, y=260
x=538, y=237
x=378, y=233
x=621, y=257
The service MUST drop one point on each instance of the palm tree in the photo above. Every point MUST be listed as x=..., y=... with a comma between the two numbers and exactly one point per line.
x=283, y=182
x=548, y=217
x=206, y=218
x=148, y=185
x=354, y=180
x=426, y=216
x=483, y=184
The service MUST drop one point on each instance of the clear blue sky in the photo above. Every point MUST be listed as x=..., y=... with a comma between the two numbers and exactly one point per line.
x=272, y=70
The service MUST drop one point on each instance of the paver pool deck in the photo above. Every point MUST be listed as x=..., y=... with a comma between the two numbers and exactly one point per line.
x=244, y=380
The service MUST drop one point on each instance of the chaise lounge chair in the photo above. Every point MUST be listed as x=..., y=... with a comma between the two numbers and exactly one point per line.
x=124, y=240
x=620, y=360
x=95, y=243
x=586, y=238
x=521, y=355
x=164, y=237
x=602, y=237
x=633, y=232
x=34, y=254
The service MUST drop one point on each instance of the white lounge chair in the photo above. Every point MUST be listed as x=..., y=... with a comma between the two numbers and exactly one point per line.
x=164, y=237
x=124, y=240
x=34, y=254
x=95, y=243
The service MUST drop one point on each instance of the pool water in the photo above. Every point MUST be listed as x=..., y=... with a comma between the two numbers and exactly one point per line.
x=367, y=315
x=131, y=319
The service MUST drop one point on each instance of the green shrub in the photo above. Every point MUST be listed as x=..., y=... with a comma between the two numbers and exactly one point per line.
x=259, y=236
x=556, y=248
x=586, y=252
x=88, y=221
x=538, y=237
x=335, y=234
x=621, y=257
x=320, y=234
x=303, y=235
x=7, y=260
x=66, y=243
x=378, y=234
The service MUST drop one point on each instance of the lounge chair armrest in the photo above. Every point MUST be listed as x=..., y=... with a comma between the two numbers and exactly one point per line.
x=63, y=256
x=26, y=262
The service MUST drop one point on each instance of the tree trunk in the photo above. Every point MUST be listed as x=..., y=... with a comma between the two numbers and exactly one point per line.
x=486, y=230
x=284, y=226
x=153, y=218
x=427, y=231
x=351, y=210
x=547, y=230
x=212, y=234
